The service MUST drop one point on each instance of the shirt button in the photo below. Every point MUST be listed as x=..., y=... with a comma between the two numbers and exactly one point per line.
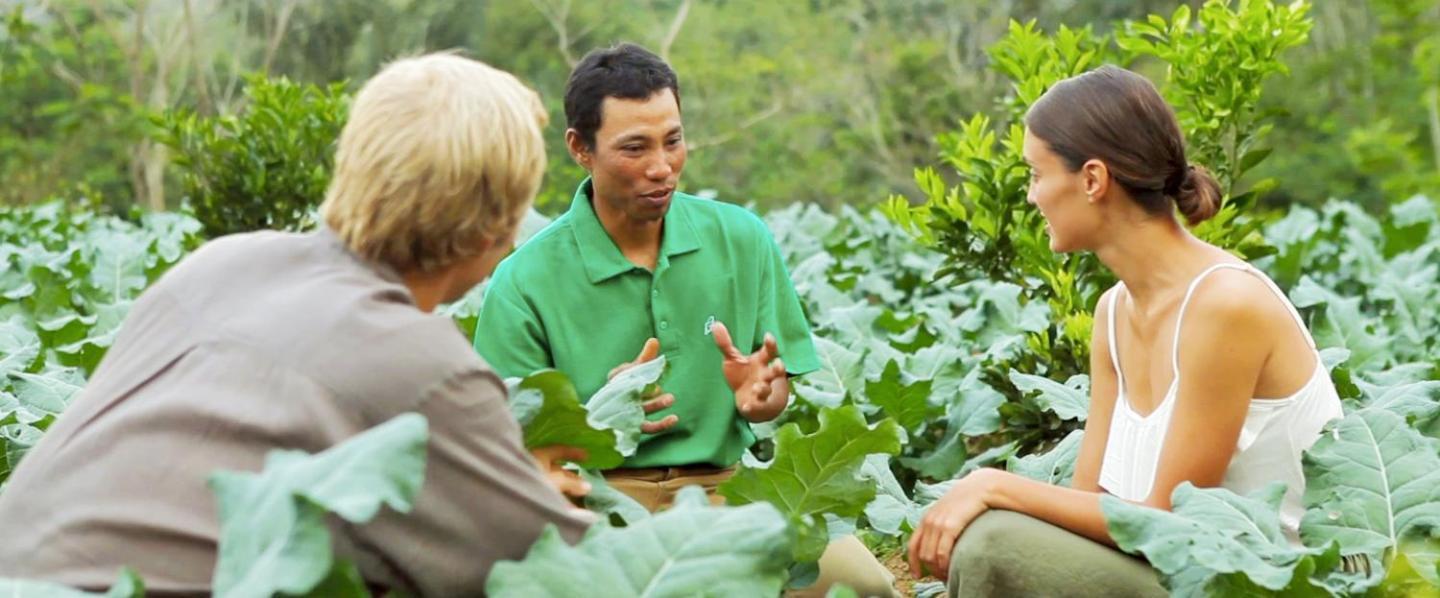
x=664, y=325
x=655, y=293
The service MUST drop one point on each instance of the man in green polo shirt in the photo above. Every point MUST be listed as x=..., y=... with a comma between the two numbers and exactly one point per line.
x=636, y=265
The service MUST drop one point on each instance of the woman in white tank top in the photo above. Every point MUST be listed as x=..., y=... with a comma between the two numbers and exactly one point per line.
x=1201, y=369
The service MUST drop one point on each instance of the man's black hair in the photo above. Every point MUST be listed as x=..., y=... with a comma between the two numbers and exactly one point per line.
x=625, y=71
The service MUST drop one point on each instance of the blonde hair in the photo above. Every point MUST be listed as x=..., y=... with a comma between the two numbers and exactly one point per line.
x=440, y=153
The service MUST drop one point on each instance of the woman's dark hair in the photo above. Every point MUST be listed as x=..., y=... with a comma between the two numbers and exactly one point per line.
x=1116, y=116
x=624, y=71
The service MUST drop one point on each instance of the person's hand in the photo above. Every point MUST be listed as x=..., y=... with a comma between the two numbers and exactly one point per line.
x=657, y=399
x=752, y=376
x=933, y=542
x=552, y=460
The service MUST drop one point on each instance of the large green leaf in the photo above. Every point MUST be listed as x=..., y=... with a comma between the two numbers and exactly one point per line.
x=1415, y=399
x=19, y=347
x=614, y=504
x=618, y=405
x=1370, y=481
x=87, y=352
x=892, y=510
x=851, y=323
x=16, y=438
x=906, y=401
x=944, y=366
x=693, y=549
x=974, y=410
x=841, y=374
x=818, y=473
x=1216, y=543
x=1421, y=548
x=273, y=535
x=128, y=586
x=1345, y=325
x=119, y=261
x=46, y=394
x=550, y=413
x=989, y=458
x=999, y=314
x=1054, y=467
x=1070, y=401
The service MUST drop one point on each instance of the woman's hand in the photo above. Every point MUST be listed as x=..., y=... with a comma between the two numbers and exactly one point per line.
x=934, y=541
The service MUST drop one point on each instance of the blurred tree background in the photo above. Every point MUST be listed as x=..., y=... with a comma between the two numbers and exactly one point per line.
x=826, y=101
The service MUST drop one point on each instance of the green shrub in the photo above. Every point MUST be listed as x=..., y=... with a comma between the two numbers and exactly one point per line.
x=265, y=168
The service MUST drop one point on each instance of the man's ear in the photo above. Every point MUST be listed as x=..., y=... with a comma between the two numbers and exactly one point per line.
x=578, y=150
x=1095, y=176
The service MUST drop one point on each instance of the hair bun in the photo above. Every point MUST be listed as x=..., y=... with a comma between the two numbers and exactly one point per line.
x=1197, y=194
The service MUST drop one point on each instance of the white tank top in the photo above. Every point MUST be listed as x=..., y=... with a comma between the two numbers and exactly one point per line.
x=1275, y=433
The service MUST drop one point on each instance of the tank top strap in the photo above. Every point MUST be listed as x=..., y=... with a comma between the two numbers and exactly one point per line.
x=1189, y=293
x=1114, y=354
x=1294, y=313
x=1180, y=317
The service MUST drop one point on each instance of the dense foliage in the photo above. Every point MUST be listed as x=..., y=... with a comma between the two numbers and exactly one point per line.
x=901, y=390
x=831, y=101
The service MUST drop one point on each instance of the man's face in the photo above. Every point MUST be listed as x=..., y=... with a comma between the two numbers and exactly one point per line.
x=638, y=154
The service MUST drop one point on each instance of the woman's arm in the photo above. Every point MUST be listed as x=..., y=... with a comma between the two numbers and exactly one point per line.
x=1104, y=388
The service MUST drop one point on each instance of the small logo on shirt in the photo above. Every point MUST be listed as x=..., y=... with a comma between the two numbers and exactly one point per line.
x=710, y=323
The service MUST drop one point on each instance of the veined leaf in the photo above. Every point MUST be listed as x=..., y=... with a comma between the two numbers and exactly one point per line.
x=1214, y=542
x=618, y=405
x=550, y=414
x=817, y=473
x=1055, y=467
x=1070, y=401
x=693, y=549
x=46, y=394
x=273, y=535
x=128, y=586
x=1370, y=480
x=608, y=501
x=892, y=510
x=974, y=411
x=841, y=374
x=18, y=347
x=907, y=402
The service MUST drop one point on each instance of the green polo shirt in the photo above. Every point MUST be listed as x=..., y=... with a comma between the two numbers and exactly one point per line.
x=568, y=299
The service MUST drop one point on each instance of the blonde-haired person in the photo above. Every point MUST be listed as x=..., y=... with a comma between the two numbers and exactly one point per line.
x=1201, y=369
x=461, y=170
x=273, y=340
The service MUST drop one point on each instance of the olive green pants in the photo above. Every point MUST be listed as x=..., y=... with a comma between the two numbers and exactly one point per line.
x=1004, y=553
x=846, y=560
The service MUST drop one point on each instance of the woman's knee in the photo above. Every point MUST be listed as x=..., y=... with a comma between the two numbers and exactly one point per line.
x=993, y=541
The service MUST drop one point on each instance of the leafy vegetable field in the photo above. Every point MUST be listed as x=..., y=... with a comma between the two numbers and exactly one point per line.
x=924, y=379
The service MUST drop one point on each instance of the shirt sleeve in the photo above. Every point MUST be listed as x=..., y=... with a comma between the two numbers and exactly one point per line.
x=508, y=334
x=484, y=498
x=780, y=311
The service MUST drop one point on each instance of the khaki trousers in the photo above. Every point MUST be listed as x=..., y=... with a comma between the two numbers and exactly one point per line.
x=846, y=560
x=1004, y=553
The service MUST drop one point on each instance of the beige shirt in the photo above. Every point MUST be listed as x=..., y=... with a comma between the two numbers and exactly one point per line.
x=265, y=341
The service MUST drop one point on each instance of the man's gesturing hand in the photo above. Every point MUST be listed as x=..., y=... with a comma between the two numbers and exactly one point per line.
x=658, y=399
x=552, y=460
x=753, y=377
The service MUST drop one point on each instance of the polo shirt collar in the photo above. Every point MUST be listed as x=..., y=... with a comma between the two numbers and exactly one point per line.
x=598, y=252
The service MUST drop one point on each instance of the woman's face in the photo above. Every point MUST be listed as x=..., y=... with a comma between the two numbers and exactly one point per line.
x=1071, y=216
